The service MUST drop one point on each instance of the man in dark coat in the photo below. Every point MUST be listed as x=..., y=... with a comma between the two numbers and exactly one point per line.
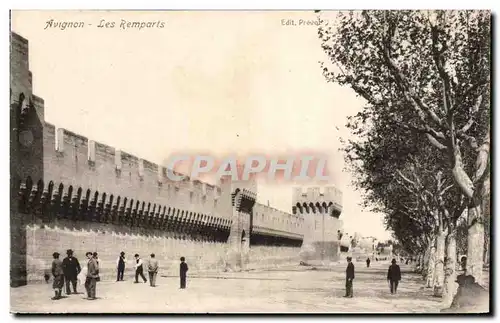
x=368, y=262
x=71, y=268
x=58, y=273
x=183, y=268
x=92, y=275
x=95, y=256
x=394, y=276
x=120, y=266
x=349, y=277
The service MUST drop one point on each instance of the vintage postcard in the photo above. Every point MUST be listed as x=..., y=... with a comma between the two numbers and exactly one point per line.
x=250, y=161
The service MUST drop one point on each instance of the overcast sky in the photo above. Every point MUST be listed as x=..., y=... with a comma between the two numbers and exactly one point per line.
x=218, y=83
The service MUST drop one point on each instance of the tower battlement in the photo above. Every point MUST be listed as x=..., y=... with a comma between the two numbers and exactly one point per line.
x=318, y=199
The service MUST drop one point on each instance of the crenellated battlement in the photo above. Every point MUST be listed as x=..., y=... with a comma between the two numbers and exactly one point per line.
x=277, y=222
x=99, y=156
x=317, y=194
x=318, y=200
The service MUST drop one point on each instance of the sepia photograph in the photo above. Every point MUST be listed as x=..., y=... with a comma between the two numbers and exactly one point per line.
x=250, y=162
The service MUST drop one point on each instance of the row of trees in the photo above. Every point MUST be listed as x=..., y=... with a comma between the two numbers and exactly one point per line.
x=421, y=144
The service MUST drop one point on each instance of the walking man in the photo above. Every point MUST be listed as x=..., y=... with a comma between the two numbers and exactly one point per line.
x=349, y=277
x=71, y=268
x=92, y=275
x=139, y=270
x=394, y=276
x=120, y=264
x=152, y=270
x=368, y=262
x=58, y=273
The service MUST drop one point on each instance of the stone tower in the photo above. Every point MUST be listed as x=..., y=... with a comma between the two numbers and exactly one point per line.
x=321, y=210
x=26, y=149
x=242, y=196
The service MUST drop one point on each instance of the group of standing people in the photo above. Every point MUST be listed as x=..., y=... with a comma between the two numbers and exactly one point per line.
x=152, y=266
x=68, y=271
x=393, y=276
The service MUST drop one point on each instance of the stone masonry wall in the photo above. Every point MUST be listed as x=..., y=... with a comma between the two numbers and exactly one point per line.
x=71, y=192
x=201, y=256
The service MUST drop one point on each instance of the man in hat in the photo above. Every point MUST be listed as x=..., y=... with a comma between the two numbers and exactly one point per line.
x=153, y=270
x=92, y=275
x=58, y=273
x=470, y=297
x=120, y=266
x=349, y=277
x=394, y=276
x=139, y=270
x=71, y=268
x=95, y=256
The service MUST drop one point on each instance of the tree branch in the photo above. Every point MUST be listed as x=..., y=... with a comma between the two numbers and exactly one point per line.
x=406, y=179
x=436, y=143
x=404, y=85
x=473, y=113
x=482, y=158
x=446, y=189
x=437, y=56
x=473, y=88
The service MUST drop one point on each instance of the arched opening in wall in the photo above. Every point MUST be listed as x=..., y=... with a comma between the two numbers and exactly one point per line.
x=50, y=190
x=61, y=190
x=318, y=207
x=39, y=186
x=312, y=207
x=102, y=204
x=29, y=184
x=118, y=200
x=234, y=195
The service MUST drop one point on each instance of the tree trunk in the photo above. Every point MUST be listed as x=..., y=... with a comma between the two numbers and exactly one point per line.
x=431, y=267
x=439, y=262
x=475, y=191
x=475, y=242
x=420, y=263
x=486, y=257
x=487, y=220
x=425, y=263
x=450, y=286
